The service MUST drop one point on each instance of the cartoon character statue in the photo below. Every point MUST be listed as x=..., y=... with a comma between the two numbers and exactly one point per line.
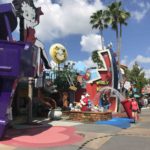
x=29, y=18
x=85, y=102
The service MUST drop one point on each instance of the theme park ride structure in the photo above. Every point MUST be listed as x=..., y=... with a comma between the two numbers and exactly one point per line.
x=107, y=83
x=18, y=59
x=105, y=76
x=29, y=17
x=104, y=81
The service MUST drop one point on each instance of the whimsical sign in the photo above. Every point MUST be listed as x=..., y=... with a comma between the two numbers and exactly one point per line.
x=29, y=17
x=102, y=82
x=58, y=53
x=94, y=75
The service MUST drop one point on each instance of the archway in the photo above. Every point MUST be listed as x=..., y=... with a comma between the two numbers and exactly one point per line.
x=114, y=98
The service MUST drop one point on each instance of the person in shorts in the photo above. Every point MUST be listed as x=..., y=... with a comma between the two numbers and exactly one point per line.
x=135, y=109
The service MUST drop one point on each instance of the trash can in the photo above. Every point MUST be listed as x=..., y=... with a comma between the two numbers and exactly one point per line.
x=126, y=104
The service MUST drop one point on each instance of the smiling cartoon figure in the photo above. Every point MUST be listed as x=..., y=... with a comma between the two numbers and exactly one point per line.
x=58, y=53
x=29, y=17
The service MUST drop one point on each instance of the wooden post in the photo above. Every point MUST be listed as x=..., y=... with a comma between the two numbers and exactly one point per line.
x=30, y=96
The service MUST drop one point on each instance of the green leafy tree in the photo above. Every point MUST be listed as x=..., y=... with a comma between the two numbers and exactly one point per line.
x=64, y=78
x=137, y=76
x=96, y=59
x=148, y=81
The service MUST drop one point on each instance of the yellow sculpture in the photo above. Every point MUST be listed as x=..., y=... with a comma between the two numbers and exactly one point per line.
x=58, y=53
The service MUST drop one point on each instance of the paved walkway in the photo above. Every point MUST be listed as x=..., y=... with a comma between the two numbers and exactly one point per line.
x=79, y=136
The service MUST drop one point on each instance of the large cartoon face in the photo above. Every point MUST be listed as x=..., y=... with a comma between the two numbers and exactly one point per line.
x=29, y=15
x=58, y=53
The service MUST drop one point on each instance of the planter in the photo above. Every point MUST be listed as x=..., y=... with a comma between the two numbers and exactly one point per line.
x=55, y=114
x=88, y=116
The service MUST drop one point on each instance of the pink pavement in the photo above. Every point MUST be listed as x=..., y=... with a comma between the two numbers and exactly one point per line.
x=41, y=137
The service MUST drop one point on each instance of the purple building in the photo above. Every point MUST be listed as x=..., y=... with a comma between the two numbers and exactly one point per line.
x=17, y=59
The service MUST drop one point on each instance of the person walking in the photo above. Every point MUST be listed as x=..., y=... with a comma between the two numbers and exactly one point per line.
x=135, y=109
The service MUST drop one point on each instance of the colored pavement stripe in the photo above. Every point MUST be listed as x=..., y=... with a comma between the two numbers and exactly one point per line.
x=41, y=137
x=6, y=147
x=118, y=122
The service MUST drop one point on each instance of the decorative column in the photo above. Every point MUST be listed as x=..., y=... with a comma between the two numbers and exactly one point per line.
x=30, y=96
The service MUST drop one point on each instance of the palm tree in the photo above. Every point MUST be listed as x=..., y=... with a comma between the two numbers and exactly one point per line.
x=98, y=21
x=116, y=18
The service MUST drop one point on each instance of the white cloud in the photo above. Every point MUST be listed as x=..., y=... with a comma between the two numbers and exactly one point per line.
x=141, y=4
x=124, y=61
x=143, y=62
x=71, y=17
x=142, y=59
x=140, y=14
x=147, y=73
x=89, y=63
x=90, y=42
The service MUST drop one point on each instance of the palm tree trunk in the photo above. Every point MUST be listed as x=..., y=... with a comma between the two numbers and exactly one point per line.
x=118, y=50
x=120, y=40
x=120, y=43
x=118, y=54
x=101, y=33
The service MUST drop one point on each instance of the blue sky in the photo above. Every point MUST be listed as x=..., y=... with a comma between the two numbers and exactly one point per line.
x=67, y=22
